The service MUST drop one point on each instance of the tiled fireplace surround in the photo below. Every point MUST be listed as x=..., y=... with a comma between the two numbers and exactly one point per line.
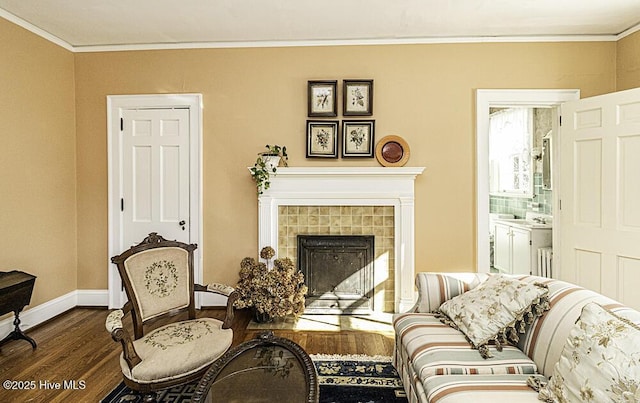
x=348, y=201
x=345, y=220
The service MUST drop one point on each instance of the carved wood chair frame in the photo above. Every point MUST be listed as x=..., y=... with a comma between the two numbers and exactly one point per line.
x=132, y=307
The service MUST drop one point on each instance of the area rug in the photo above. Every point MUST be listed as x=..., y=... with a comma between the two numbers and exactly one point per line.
x=342, y=378
x=358, y=379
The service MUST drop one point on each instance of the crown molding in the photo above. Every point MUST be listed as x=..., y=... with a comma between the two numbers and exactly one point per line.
x=311, y=43
x=628, y=32
x=33, y=29
x=345, y=42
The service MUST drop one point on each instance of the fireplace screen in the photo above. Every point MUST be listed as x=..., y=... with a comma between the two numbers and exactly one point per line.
x=338, y=269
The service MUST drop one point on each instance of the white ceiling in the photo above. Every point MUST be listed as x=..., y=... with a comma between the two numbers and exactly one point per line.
x=91, y=25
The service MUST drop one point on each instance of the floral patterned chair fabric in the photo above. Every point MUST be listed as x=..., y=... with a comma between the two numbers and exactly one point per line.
x=158, y=278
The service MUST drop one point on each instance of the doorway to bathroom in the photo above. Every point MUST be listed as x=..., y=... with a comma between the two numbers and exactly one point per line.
x=510, y=167
x=520, y=193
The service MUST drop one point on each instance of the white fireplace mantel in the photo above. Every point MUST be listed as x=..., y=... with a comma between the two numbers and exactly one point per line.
x=349, y=186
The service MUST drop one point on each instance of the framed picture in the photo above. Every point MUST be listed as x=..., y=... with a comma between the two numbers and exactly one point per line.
x=357, y=98
x=358, y=138
x=322, y=98
x=322, y=138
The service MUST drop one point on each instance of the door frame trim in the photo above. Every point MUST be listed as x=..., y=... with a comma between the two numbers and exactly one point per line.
x=486, y=98
x=115, y=105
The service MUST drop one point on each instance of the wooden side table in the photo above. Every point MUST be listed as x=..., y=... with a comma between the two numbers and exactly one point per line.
x=15, y=293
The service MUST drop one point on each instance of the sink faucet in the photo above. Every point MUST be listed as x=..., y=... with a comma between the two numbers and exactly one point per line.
x=539, y=220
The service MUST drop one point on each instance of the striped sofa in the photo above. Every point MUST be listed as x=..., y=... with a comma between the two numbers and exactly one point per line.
x=438, y=365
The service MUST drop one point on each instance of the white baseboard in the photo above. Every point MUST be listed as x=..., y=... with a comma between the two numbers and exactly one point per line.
x=93, y=298
x=43, y=312
x=50, y=309
x=40, y=313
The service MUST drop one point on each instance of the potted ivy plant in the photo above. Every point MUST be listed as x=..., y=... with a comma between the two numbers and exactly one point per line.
x=266, y=164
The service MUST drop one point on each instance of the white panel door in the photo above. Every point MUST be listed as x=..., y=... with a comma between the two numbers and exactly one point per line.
x=600, y=199
x=155, y=175
x=155, y=160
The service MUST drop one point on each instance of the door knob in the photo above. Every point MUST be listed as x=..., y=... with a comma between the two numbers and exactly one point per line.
x=182, y=223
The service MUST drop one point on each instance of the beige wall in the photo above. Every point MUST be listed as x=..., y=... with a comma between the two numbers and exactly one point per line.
x=628, y=62
x=252, y=97
x=37, y=162
x=424, y=93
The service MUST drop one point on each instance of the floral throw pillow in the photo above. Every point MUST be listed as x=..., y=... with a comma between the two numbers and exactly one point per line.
x=600, y=361
x=497, y=310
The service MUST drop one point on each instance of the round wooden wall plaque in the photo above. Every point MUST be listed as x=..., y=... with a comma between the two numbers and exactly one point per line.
x=392, y=151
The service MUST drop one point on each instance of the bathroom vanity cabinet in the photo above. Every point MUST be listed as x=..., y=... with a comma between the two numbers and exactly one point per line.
x=516, y=247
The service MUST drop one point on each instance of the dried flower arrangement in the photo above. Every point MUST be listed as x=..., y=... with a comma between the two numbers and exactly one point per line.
x=275, y=292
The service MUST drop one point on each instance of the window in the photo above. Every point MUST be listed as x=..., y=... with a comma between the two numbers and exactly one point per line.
x=510, y=142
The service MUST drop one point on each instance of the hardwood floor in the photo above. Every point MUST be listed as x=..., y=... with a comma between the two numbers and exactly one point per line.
x=77, y=361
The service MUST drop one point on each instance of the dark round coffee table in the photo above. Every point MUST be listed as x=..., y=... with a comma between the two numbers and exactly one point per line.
x=265, y=369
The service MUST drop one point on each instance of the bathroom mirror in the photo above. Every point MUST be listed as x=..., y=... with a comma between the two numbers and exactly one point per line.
x=546, y=162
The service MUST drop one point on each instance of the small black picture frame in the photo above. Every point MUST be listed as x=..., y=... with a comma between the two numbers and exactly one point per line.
x=357, y=98
x=322, y=98
x=358, y=137
x=322, y=138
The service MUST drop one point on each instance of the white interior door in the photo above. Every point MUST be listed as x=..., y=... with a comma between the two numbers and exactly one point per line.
x=155, y=175
x=155, y=161
x=600, y=214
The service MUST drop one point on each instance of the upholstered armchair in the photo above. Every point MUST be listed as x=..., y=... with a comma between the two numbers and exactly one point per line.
x=158, y=278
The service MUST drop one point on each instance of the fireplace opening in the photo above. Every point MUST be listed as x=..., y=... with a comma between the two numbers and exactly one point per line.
x=338, y=270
